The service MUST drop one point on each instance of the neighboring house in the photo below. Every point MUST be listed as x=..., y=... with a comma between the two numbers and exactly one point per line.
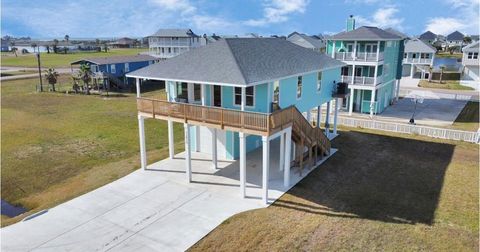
x=418, y=57
x=310, y=42
x=428, y=37
x=400, y=34
x=5, y=45
x=374, y=58
x=455, y=39
x=223, y=94
x=168, y=43
x=471, y=62
x=111, y=71
x=123, y=43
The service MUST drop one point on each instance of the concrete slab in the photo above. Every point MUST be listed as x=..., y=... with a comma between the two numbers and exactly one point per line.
x=152, y=210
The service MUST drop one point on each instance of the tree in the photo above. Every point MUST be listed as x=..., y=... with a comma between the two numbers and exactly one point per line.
x=467, y=39
x=34, y=45
x=51, y=76
x=105, y=46
x=430, y=72
x=442, y=68
x=85, y=74
x=55, y=45
x=67, y=38
x=47, y=47
x=14, y=49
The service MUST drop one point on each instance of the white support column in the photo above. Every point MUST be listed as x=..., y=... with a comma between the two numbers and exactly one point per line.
x=372, y=103
x=309, y=116
x=375, y=75
x=171, y=148
x=282, y=151
x=265, y=166
x=188, y=153
x=243, y=163
x=203, y=93
x=242, y=105
x=350, y=101
x=411, y=70
x=327, y=119
x=286, y=171
x=353, y=74
x=319, y=115
x=397, y=90
x=335, y=116
x=137, y=85
x=378, y=53
x=333, y=51
x=214, y=148
x=143, y=149
x=354, y=52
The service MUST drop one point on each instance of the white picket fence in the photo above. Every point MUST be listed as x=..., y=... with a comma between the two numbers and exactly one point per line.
x=467, y=136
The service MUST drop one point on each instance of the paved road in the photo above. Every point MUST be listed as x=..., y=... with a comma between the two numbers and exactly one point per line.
x=26, y=76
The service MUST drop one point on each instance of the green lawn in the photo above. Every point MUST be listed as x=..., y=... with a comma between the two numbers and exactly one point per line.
x=447, y=84
x=448, y=55
x=468, y=117
x=61, y=60
x=57, y=146
x=379, y=192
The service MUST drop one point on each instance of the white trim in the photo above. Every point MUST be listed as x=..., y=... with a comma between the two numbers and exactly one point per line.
x=246, y=106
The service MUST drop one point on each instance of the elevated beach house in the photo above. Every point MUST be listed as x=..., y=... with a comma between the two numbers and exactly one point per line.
x=311, y=42
x=471, y=62
x=374, y=66
x=168, y=43
x=418, y=58
x=111, y=70
x=238, y=94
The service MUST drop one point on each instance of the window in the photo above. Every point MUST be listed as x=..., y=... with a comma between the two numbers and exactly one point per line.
x=299, y=87
x=169, y=50
x=405, y=55
x=319, y=81
x=475, y=55
x=197, y=92
x=182, y=90
x=414, y=56
x=249, y=96
x=112, y=68
x=127, y=67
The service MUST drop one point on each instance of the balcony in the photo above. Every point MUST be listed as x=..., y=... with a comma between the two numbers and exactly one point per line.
x=360, y=56
x=361, y=80
x=470, y=62
x=417, y=61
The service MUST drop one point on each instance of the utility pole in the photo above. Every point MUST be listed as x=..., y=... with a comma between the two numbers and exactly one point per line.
x=40, y=72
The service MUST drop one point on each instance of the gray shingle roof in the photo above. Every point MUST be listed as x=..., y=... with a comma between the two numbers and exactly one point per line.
x=416, y=45
x=400, y=34
x=456, y=35
x=240, y=61
x=428, y=35
x=365, y=33
x=174, y=33
x=306, y=41
x=115, y=59
x=473, y=47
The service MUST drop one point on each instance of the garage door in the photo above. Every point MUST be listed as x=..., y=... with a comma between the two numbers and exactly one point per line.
x=206, y=142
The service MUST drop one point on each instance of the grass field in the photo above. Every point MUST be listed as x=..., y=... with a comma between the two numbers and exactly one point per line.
x=468, y=117
x=448, y=55
x=57, y=146
x=447, y=84
x=61, y=60
x=379, y=192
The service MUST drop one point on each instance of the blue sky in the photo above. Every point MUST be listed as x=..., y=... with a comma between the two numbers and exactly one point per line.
x=138, y=18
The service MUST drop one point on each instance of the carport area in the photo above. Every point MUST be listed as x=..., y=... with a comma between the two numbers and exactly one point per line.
x=153, y=209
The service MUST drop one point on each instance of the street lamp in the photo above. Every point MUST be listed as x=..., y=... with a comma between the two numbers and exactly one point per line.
x=39, y=71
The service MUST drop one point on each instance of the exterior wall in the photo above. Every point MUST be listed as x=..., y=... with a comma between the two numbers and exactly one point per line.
x=120, y=69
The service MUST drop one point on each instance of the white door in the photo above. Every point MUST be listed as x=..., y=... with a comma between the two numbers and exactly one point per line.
x=205, y=142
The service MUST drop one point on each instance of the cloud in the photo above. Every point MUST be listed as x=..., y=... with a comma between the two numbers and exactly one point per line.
x=383, y=17
x=278, y=11
x=184, y=6
x=465, y=18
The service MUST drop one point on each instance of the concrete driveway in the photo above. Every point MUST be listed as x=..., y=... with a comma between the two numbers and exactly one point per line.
x=150, y=210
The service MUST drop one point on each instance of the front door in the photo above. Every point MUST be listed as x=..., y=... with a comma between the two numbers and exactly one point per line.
x=370, y=48
x=217, y=96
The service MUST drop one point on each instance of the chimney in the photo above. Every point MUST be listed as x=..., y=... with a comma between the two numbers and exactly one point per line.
x=350, y=23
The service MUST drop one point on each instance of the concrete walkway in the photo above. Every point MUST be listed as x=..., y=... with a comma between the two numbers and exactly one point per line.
x=151, y=210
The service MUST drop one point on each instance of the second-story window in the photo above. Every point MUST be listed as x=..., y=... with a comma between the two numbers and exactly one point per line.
x=249, y=96
x=475, y=55
x=319, y=81
x=112, y=68
x=127, y=67
x=197, y=92
x=405, y=55
x=299, y=87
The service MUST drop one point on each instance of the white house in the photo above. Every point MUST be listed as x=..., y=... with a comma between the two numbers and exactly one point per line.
x=418, y=57
x=168, y=43
x=311, y=42
x=470, y=62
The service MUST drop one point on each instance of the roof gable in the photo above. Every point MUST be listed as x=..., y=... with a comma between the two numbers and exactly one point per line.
x=473, y=47
x=366, y=33
x=115, y=59
x=456, y=35
x=239, y=61
x=428, y=35
x=417, y=45
x=174, y=33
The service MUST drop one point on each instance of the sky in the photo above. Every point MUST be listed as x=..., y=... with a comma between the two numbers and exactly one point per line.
x=139, y=18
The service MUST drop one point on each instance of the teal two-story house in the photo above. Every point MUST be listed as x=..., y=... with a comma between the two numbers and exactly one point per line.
x=236, y=95
x=374, y=66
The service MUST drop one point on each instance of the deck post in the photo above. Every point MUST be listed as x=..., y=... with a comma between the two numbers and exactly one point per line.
x=171, y=149
x=350, y=101
x=335, y=117
x=397, y=90
x=137, y=85
x=327, y=119
x=372, y=103
x=143, y=151
x=214, y=148
x=265, y=166
x=286, y=170
x=282, y=152
x=319, y=115
x=188, y=153
x=243, y=163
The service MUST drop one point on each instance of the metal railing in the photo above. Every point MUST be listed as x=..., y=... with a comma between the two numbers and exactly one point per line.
x=360, y=56
x=417, y=60
x=450, y=134
x=361, y=80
